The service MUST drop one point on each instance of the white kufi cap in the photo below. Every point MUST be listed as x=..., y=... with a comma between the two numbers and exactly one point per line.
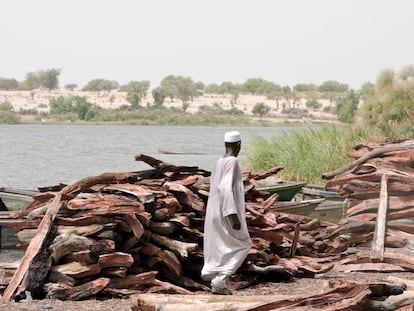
x=232, y=137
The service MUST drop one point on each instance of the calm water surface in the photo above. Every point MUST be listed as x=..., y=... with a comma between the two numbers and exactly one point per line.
x=45, y=155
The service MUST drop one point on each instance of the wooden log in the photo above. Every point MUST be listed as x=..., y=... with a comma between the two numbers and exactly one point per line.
x=268, y=234
x=86, y=257
x=112, y=272
x=33, y=248
x=58, y=277
x=85, y=230
x=377, y=252
x=372, y=154
x=163, y=228
x=65, y=244
x=57, y=291
x=77, y=270
x=135, y=225
x=114, y=210
x=343, y=296
x=116, y=259
x=163, y=214
x=133, y=280
x=170, y=261
x=292, y=250
x=186, y=196
x=181, y=248
x=142, y=193
x=166, y=286
x=85, y=220
x=368, y=267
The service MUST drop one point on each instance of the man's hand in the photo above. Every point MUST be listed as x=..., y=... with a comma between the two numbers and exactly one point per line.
x=235, y=222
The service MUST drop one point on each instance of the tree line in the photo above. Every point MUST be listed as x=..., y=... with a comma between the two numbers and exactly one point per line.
x=345, y=100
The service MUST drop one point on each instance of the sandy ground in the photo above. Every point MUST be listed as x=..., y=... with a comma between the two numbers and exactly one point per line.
x=294, y=286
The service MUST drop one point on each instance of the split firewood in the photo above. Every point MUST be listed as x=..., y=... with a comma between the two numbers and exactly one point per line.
x=145, y=278
x=77, y=270
x=85, y=257
x=115, y=259
x=372, y=154
x=65, y=244
x=65, y=292
x=181, y=248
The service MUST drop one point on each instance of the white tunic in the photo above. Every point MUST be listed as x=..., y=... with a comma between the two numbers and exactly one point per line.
x=225, y=248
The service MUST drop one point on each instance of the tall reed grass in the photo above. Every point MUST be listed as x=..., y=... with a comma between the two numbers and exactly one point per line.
x=305, y=154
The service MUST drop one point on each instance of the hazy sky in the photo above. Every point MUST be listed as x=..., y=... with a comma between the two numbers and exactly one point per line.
x=287, y=42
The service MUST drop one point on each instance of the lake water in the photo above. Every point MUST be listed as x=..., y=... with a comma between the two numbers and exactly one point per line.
x=46, y=155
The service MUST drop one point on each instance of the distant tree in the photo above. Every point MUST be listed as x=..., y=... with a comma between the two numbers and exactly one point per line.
x=136, y=90
x=134, y=99
x=170, y=86
x=252, y=85
x=31, y=82
x=49, y=78
x=230, y=88
x=159, y=95
x=140, y=87
x=260, y=109
x=181, y=87
x=71, y=87
x=8, y=84
x=332, y=86
x=287, y=94
x=313, y=104
x=347, y=106
x=302, y=87
x=213, y=89
x=267, y=87
x=97, y=85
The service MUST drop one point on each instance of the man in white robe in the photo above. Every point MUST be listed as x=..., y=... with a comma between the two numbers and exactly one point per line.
x=226, y=238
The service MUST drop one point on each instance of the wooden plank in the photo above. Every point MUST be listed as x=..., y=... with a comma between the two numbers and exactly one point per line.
x=33, y=248
x=377, y=252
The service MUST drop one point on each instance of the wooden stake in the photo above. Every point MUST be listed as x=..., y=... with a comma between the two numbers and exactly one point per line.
x=377, y=251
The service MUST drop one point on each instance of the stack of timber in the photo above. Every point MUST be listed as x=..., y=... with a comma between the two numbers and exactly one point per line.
x=117, y=234
x=137, y=233
x=377, y=233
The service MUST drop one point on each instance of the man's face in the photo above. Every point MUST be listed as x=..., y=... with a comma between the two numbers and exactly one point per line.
x=237, y=148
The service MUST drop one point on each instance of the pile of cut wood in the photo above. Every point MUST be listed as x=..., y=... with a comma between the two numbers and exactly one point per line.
x=377, y=232
x=119, y=234
x=124, y=233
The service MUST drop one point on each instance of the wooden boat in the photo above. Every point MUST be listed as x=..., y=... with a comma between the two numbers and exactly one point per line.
x=164, y=151
x=332, y=209
x=12, y=199
x=310, y=191
x=285, y=189
x=304, y=208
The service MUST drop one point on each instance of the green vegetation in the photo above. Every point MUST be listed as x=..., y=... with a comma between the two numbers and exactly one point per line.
x=98, y=85
x=48, y=79
x=72, y=108
x=260, y=109
x=168, y=116
x=305, y=154
x=388, y=112
x=7, y=114
x=386, y=115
